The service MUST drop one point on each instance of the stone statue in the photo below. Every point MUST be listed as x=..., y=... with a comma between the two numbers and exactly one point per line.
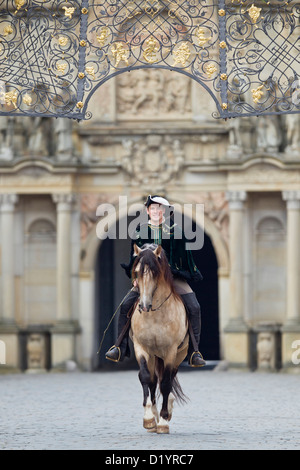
x=40, y=140
x=6, y=138
x=292, y=122
x=235, y=147
x=265, y=351
x=63, y=134
x=36, y=353
x=269, y=135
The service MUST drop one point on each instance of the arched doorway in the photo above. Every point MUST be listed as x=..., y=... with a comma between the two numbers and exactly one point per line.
x=111, y=284
x=207, y=295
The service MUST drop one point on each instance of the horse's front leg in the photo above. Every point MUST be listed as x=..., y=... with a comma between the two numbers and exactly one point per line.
x=165, y=388
x=148, y=383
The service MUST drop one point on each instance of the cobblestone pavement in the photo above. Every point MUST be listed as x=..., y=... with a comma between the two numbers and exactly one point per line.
x=226, y=410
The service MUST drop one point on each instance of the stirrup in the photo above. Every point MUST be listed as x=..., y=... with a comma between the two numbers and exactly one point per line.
x=114, y=360
x=191, y=358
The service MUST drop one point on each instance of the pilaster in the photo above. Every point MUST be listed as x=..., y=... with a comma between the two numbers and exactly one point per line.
x=236, y=341
x=291, y=326
x=8, y=327
x=66, y=327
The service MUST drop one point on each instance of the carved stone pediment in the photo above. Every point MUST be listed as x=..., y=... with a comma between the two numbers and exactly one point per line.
x=262, y=176
x=34, y=176
x=152, y=161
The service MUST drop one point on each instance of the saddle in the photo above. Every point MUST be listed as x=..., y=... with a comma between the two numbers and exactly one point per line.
x=127, y=326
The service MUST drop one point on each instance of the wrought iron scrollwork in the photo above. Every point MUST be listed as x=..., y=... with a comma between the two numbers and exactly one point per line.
x=55, y=54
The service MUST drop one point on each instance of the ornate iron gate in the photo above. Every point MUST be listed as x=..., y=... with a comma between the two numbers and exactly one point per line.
x=55, y=54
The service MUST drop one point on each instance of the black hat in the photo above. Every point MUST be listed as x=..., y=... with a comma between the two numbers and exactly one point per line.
x=159, y=200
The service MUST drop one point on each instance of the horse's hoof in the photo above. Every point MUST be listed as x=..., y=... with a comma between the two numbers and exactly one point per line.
x=149, y=423
x=152, y=429
x=163, y=429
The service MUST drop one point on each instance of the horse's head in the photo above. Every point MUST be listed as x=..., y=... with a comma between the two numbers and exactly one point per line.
x=148, y=271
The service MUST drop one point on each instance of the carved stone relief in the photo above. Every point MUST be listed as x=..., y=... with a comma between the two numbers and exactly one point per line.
x=36, y=353
x=216, y=209
x=153, y=93
x=88, y=207
x=152, y=161
x=292, y=123
x=265, y=351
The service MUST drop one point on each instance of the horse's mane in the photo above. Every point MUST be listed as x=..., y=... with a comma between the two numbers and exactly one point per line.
x=159, y=266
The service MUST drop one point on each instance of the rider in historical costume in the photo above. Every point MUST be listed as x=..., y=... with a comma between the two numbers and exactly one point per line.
x=163, y=232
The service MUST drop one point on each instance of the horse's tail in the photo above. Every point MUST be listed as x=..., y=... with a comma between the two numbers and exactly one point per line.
x=175, y=385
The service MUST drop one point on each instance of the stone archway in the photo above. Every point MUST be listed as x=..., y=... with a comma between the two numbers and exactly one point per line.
x=214, y=255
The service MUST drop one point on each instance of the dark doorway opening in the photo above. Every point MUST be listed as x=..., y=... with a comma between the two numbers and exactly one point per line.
x=207, y=295
x=112, y=285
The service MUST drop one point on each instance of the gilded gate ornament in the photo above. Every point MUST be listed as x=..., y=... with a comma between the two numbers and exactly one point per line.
x=152, y=48
x=54, y=54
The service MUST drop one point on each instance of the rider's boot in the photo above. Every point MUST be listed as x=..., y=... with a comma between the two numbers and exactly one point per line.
x=118, y=353
x=192, y=306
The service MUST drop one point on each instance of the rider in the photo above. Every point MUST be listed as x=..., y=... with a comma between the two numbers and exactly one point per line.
x=183, y=269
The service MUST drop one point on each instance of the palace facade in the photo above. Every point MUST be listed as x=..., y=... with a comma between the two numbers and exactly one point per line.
x=152, y=132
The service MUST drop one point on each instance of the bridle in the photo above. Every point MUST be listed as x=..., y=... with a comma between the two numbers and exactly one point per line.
x=157, y=308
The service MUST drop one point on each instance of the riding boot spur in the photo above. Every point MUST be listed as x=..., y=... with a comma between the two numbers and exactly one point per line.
x=192, y=307
x=121, y=348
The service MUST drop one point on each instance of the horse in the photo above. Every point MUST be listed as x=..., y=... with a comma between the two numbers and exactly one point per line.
x=159, y=331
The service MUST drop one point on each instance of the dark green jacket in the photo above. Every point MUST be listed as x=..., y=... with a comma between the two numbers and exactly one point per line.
x=180, y=260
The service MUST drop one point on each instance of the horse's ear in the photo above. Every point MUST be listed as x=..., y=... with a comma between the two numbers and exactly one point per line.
x=157, y=251
x=137, y=250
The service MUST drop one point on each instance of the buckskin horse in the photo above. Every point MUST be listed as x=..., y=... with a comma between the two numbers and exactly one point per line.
x=159, y=331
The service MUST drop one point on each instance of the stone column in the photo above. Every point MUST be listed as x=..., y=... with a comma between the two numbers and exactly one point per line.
x=7, y=257
x=291, y=327
x=236, y=332
x=8, y=328
x=63, y=246
x=63, y=333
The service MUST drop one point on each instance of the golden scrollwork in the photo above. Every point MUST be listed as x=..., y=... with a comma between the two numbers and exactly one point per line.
x=102, y=36
x=27, y=99
x=120, y=54
x=257, y=93
x=90, y=71
x=9, y=98
x=254, y=13
x=19, y=5
x=63, y=40
x=8, y=30
x=202, y=40
x=210, y=69
x=130, y=10
x=182, y=54
x=61, y=67
x=69, y=11
x=152, y=7
x=152, y=48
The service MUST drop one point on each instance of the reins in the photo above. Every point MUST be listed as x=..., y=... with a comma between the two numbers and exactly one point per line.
x=157, y=308
x=105, y=331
